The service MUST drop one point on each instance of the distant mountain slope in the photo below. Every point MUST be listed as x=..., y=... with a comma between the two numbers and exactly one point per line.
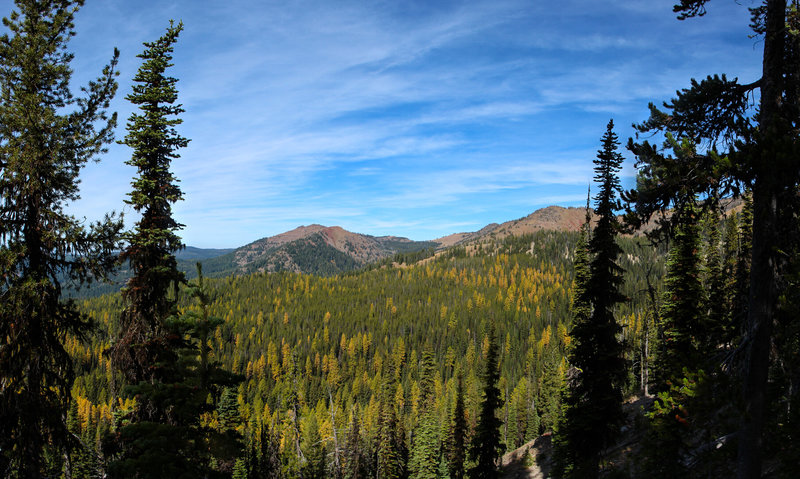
x=313, y=249
x=555, y=218
x=324, y=251
x=187, y=262
x=190, y=253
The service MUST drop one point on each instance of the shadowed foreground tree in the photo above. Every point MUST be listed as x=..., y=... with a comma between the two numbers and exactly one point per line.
x=761, y=151
x=46, y=136
x=487, y=445
x=594, y=402
x=456, y=450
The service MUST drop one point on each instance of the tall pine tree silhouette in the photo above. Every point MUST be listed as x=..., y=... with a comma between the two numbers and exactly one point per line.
x=593, y=412
x=153, y=242
x=456, y=448
x=486, y=444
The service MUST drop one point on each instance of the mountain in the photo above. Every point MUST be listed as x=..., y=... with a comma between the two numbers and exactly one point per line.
x=187, y=261
x=191, y=253
x=553, y=218
x=313, y=249
x=329, y=250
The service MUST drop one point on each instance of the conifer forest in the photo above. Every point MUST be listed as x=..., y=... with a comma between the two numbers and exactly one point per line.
x=659, y=339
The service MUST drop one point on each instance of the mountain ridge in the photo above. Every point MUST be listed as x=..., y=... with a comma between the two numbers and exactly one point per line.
x=330, y=250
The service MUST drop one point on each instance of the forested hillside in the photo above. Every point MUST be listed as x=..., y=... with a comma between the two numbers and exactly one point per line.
x=323, y=353
x=310, y=348
x=311, y=249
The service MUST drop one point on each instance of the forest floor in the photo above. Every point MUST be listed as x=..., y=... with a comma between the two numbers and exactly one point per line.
x=530, y=461
x=534, y=459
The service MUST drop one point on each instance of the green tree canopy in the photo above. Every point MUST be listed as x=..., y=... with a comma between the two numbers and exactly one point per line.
x=46, y=137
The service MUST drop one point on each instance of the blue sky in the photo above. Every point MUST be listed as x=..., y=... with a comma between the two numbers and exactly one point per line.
x=411, y=118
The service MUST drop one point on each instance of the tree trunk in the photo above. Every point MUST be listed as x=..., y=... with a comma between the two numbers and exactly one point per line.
x=761, y=308
x=764, y=272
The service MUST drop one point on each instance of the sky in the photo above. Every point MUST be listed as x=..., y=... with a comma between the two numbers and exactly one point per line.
x=407, y=118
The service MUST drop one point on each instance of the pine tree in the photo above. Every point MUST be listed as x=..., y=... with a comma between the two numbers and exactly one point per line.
x=426, y=446
x=228, y=409
x=594, y=402
x=486, y=445
x=391, y=442
x=761, y=145
x=718, y=302
x=46, y=137
x=202, y=325
x=152, y=244
x=156, y=353
x=268, y=463
x=456, y=454
x=314, y=450
x=741, y=272
x=355, y=464
x=683, y=324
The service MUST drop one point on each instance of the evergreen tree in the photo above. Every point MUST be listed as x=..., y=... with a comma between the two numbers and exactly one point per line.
x=355, y=464
x=681, y=355
x=152, y=244
x=486, y=445
x=46, y=137
x=683, y=324
x=228, y=409
x=314, y=450
x=426, y=446
x=456, y=454
x=203, y=325
x=581, y=309
x=268, y=463
x=391, y=441
x=717, y=308
x=741, y=272
x=761, y=147
x=594, y=402
x=156, y=351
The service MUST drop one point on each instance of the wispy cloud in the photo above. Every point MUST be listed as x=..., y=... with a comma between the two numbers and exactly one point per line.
x=378, y=115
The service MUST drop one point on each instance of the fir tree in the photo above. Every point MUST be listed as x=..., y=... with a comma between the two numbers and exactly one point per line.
x=717, y=308
x=228, y=409
x=391, y=443
x=486, y=445
x=760, y=147
x=315, y=452
x=594, y=402
x=268, y=463
x=426, y=446
x=203, y=325
x=152, y=244
x=681, y=355
x=456, y=454
x=683, y=323
x=741, y=272
x=156, y=352
x=46, y=137
x=355, y=464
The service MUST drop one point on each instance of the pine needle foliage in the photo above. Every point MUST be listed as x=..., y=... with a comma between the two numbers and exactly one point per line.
x=156, y=352
x=456, y=450
x=486, y=445
x=46, y=137
x=154, y=140
x=594, y=402
x=683, y=324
